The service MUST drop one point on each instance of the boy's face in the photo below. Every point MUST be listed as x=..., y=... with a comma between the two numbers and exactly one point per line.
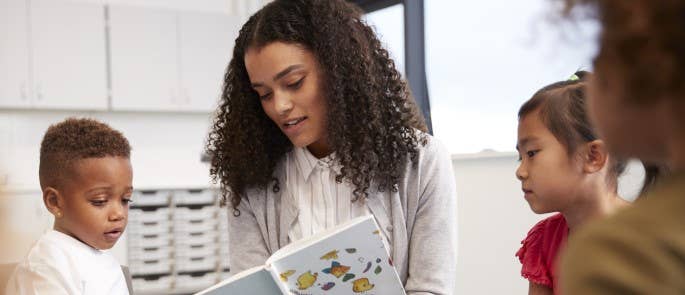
x=94, y=201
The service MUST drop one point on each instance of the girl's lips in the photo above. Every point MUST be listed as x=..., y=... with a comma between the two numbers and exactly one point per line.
x=527, y=193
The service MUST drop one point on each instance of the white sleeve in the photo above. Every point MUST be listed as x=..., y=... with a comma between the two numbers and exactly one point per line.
x=40, y=279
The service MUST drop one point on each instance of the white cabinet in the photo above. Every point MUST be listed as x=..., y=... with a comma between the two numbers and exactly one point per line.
x=206, y=46
x=168, y=61
x=69, y=55
x=14, y=54
x=144, y=59
x=52, y=55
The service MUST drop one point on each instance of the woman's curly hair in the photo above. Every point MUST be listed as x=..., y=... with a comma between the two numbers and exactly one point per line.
x=372, y=118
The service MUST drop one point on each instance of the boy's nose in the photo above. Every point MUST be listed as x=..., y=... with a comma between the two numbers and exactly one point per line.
x=118, y=213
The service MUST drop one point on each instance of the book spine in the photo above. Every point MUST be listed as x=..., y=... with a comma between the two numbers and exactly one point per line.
x=277, y=278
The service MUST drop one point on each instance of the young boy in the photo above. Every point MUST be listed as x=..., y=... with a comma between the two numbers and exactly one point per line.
x=85, y=175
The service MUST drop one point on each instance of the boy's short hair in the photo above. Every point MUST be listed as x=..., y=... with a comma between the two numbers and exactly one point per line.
x=75, y=139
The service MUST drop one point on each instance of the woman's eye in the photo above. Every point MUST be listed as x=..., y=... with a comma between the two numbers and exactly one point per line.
x=296, y=84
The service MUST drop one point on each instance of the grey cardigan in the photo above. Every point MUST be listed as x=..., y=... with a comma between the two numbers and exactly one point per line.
x=420, y=221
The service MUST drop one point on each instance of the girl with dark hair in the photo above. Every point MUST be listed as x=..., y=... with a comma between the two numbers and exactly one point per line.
x=564, y=168
x=317, y=126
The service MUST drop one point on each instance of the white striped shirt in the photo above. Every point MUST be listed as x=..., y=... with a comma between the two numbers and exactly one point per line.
x=321, y=201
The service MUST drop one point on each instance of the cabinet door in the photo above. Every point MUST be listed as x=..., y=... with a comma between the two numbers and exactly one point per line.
x=144, y=59
x=206, y=47
x=69, y=54
x=14, y=54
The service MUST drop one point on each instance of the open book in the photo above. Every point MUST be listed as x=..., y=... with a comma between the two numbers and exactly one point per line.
x=347, y=259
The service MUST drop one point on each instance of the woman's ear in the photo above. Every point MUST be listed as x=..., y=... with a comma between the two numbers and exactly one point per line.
x=596, y=156
x=53, y=201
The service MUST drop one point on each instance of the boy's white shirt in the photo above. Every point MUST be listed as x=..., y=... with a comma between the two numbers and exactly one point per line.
x=60, y=264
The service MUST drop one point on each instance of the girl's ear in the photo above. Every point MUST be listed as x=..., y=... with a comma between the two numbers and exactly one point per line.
x=596, y=156
x=54, y=201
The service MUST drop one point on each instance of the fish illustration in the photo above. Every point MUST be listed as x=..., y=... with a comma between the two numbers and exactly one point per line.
x=306, y=280
x=330, y=255
x=361, y=285
x=328, y=286
x=286, y=275
x=337, y=269
x=348, y=277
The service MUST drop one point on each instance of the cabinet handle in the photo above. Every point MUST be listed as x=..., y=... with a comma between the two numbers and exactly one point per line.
x=39, y=91
x=22, y=91
x=173, y=95
x=186, y=97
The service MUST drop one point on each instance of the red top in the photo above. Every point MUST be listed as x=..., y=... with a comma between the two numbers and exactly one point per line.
x=538, y=255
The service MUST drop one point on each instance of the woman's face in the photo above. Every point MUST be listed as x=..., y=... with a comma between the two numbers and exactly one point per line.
x=287, y=79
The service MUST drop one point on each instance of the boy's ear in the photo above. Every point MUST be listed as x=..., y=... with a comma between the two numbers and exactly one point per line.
x=596, y=156
x=53, y=201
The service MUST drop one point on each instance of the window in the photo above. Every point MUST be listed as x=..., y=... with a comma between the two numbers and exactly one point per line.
x=485, y=58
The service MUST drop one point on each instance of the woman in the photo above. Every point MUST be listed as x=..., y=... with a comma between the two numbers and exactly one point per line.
x=316, y=126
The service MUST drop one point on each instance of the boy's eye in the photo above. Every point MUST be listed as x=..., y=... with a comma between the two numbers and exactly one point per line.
x=127, y=201
x=98, y=203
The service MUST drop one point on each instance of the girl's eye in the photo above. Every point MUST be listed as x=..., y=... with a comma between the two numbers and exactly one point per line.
x=530, y=154
x=265, y=96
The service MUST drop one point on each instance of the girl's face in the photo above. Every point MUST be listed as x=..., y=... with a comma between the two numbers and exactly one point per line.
x=288, y=81
x=549, y=177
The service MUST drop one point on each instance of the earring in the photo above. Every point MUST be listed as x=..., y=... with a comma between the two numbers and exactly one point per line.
x=58, y=214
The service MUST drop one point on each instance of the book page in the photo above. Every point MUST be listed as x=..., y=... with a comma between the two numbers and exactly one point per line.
x=254, y=281
x=351, y=260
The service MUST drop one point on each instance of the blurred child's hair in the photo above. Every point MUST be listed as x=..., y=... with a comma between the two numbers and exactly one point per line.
x=561, y=107
x=641, y=44
x=653, y=173
x=75, y=139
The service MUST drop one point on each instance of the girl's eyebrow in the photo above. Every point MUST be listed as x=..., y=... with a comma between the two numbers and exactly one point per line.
x=525, y=141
